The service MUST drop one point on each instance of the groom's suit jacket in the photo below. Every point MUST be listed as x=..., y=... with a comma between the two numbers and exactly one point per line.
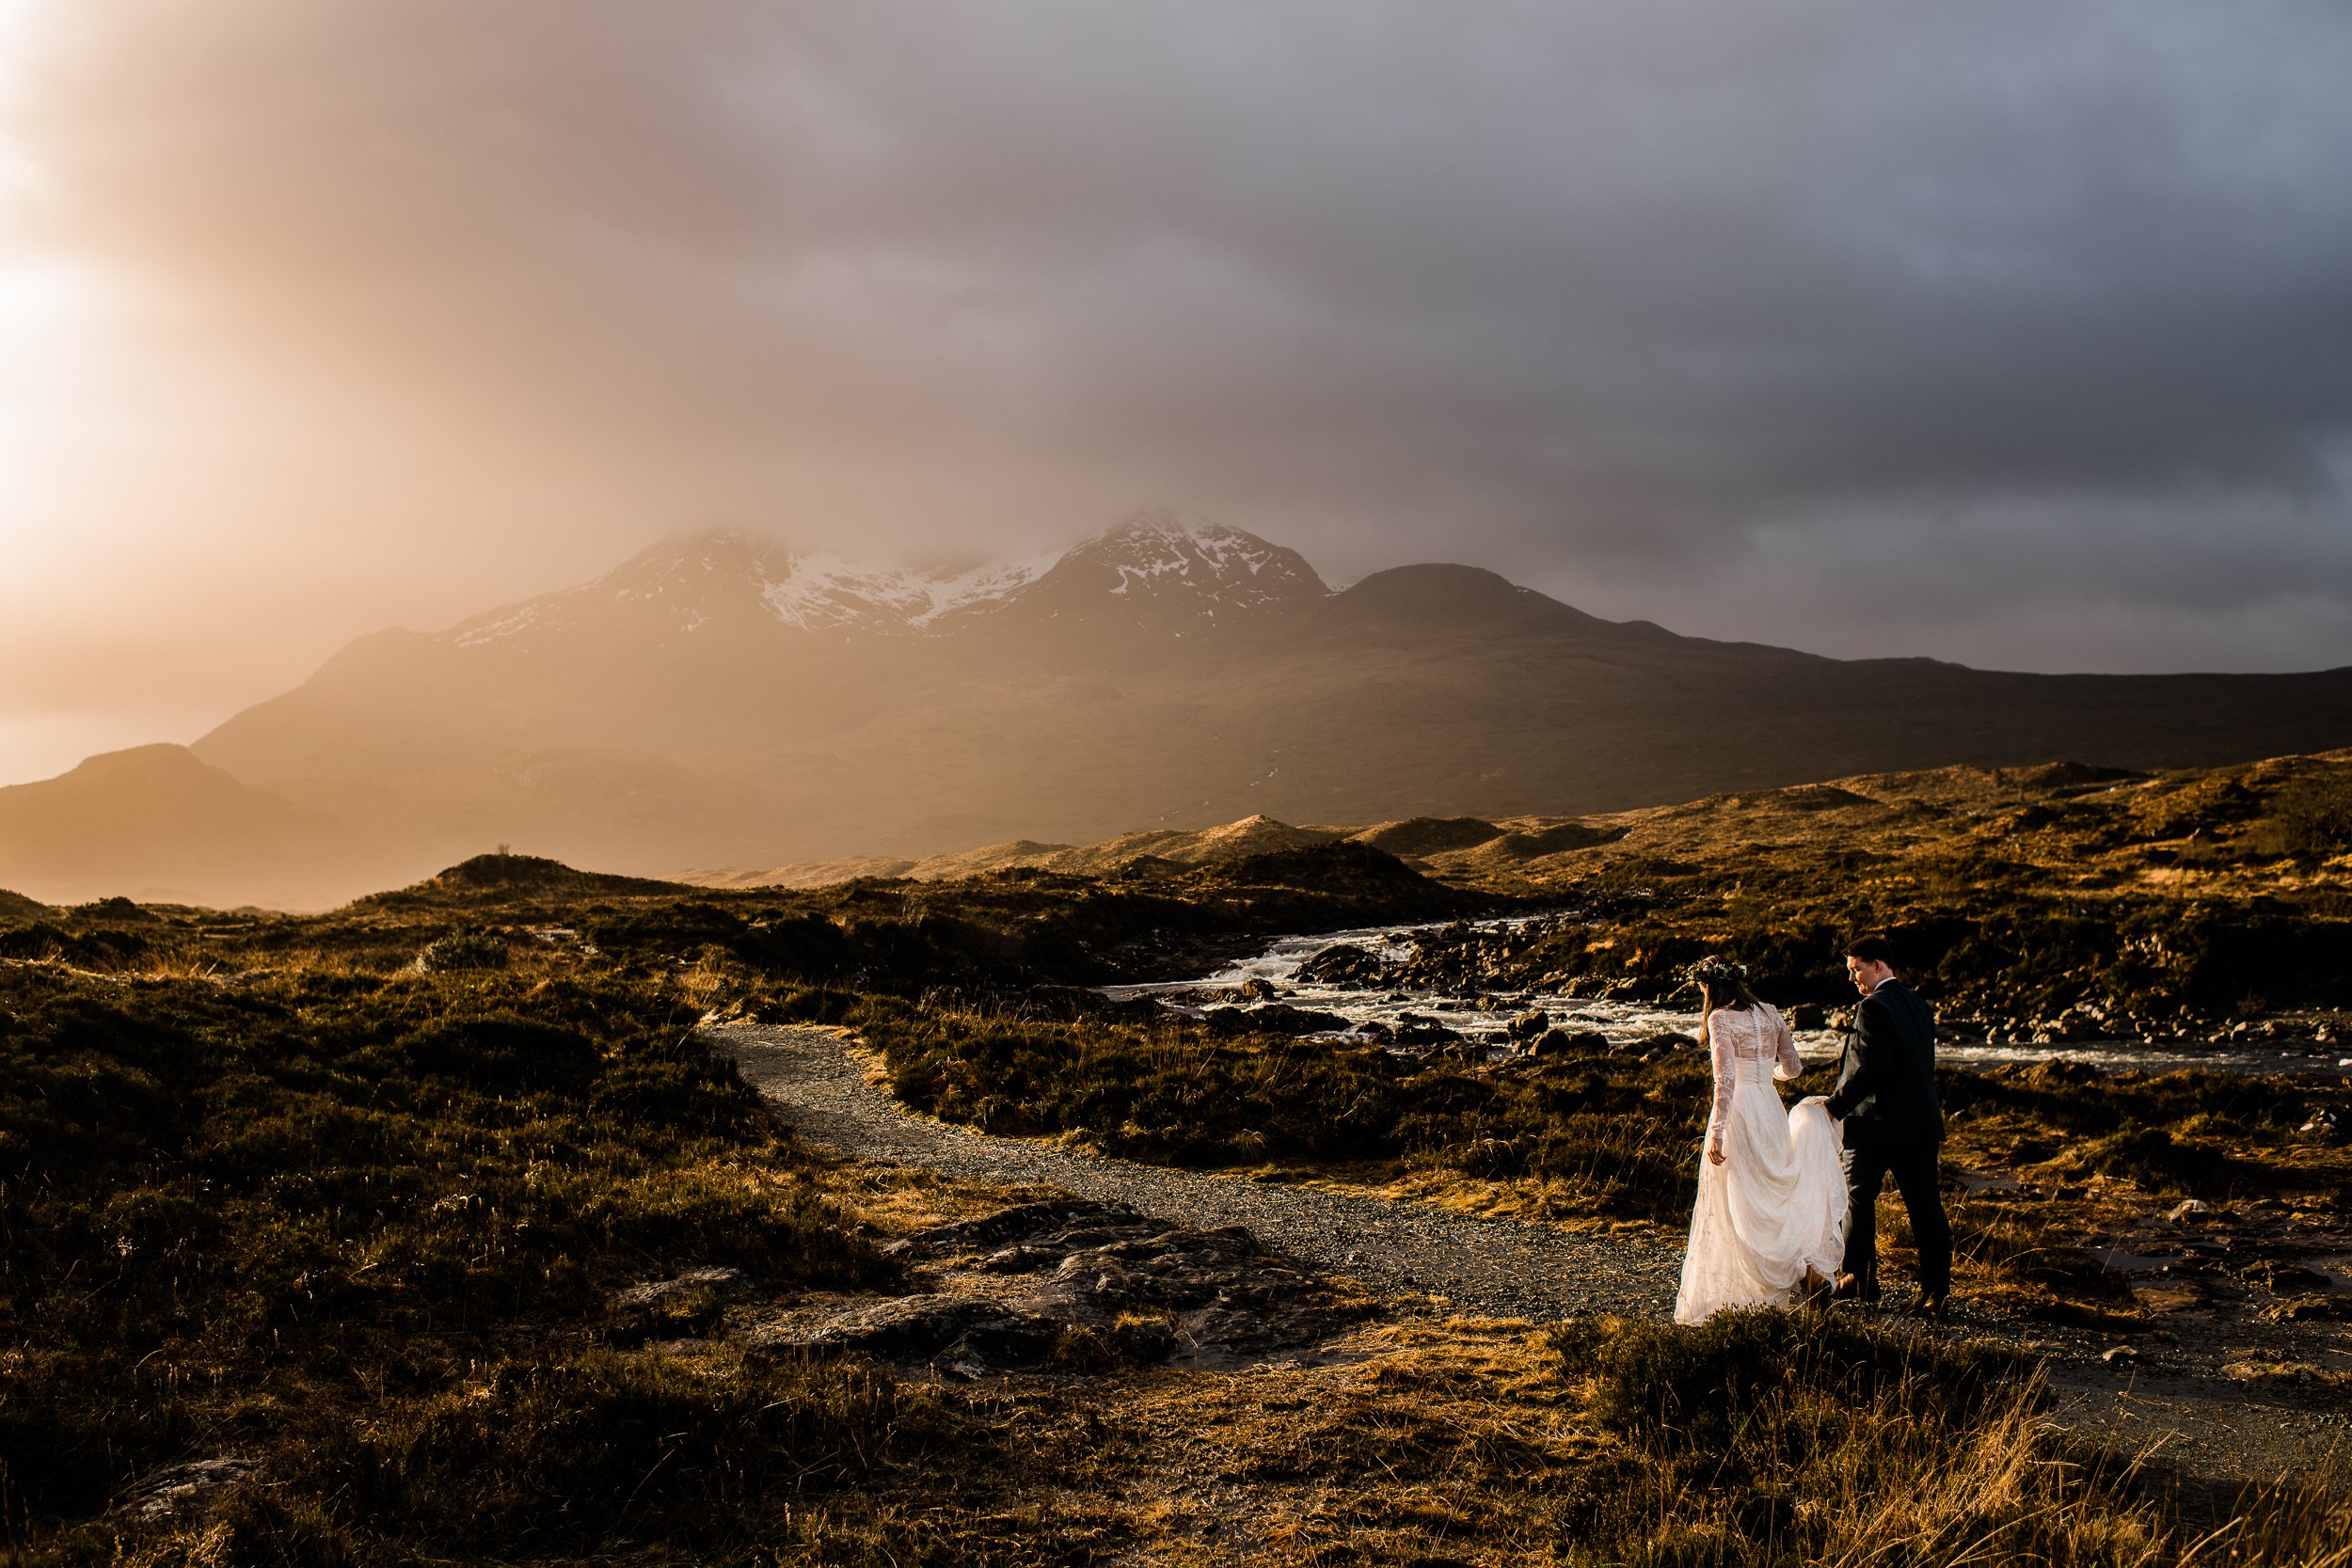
x=1886, y=1094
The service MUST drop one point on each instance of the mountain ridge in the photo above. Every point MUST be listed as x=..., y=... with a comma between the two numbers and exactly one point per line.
x=695, y=707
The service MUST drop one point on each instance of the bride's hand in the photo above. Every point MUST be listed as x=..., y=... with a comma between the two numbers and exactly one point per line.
x=1715, y=1154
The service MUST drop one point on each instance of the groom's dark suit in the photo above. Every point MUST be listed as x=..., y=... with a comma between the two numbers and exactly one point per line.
x=1886, y=1108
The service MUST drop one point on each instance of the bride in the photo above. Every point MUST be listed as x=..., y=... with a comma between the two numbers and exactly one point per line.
x=1772, y=1207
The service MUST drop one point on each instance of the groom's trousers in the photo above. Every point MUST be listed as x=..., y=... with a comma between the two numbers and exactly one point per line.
x=1913, y=1166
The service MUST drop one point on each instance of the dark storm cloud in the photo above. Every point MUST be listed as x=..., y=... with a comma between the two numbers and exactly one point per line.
x=2042, y=313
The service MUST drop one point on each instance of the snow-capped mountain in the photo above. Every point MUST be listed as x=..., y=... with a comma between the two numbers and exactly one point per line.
x=719, y=700
x=1157, y=574
x=1152, y=571
x=728, y=581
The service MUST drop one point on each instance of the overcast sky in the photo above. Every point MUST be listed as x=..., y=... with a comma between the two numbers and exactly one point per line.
x=2013, y=332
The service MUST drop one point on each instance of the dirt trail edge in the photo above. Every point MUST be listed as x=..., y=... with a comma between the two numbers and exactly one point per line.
x=2208, y=1424
x=1495, y=1268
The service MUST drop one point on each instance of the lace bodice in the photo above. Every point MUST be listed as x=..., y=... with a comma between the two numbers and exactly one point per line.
x=1755, y=1045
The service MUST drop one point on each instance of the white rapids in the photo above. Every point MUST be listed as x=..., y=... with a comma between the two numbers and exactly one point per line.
x=1486, y=1017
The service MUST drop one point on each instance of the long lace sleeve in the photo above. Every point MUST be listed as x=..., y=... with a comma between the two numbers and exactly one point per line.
x=1726, y=1073
x=1790, y=1065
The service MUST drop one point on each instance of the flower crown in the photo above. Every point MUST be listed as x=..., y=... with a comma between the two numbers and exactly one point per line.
x=1716, y=973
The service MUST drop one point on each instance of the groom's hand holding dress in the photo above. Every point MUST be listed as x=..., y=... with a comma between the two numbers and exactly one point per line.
x=1893, y=1124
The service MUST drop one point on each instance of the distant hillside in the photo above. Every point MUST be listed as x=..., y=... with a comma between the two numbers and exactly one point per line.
x=1172, y=849
x=2242, y=831
x=156, y=824
x=717, y=701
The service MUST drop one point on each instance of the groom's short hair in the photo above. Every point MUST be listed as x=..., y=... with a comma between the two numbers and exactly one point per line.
x=1871, y=949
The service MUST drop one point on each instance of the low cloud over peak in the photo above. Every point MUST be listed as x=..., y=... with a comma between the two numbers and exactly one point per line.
x=2004, y=333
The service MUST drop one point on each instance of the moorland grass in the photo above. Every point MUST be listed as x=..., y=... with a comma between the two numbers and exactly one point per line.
x=363, y=1229
x=285, y=1189
x=1613, y=1132
x=1772, y=1438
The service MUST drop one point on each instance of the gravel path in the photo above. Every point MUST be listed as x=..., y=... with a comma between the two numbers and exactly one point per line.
x=1508, y=1267
x=1497, y=1268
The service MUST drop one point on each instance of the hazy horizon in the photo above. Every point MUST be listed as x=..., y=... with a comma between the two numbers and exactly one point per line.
x=2009, y=337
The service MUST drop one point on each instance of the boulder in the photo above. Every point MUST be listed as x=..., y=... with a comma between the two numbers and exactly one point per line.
x=1344, y=964
x=1174, y=1268
x=1281, y=1018
x=1118, y=1287
x=1528, y=1026
x=1562, y=1042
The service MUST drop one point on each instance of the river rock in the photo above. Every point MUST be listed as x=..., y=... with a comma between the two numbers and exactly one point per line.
x=1343, y=964
x=1562, y=1042
x=1281, y=1018
x=1421, y=1029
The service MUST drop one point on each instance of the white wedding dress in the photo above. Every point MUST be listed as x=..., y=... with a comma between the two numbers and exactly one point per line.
x=1776, y=1206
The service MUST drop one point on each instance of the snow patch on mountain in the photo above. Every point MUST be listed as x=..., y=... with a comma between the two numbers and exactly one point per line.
x=683, y=585
x=1216, y=566
x=820, y=591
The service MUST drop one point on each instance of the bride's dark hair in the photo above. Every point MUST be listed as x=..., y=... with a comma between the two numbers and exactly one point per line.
x=1722, y=983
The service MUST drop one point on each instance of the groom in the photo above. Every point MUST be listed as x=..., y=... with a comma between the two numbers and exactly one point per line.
x=1886, y=1108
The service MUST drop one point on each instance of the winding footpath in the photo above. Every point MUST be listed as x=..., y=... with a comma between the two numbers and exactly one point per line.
x=1515, y=1269
x=1490, y=1267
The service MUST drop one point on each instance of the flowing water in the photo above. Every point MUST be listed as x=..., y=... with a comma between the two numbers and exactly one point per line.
x=1484, y=1016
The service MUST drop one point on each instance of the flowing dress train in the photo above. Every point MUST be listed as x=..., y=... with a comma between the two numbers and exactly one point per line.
x=1776, y=1206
